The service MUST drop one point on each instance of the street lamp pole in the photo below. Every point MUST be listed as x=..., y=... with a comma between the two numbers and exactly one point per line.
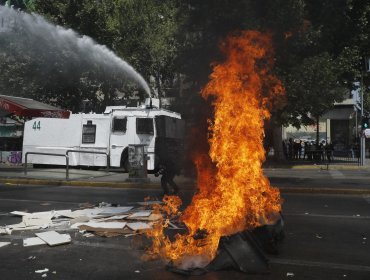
x=362, y=86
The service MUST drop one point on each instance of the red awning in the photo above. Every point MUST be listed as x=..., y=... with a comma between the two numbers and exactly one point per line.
x=25, y=107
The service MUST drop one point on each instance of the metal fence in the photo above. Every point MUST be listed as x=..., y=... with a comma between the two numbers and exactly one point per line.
x=346, y=157
x=66, y=156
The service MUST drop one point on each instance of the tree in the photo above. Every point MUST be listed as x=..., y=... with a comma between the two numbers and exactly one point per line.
x=146, y=33
x=33, y=53
x=313, y=87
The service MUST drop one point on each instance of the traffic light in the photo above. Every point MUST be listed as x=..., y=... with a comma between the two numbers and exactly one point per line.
x=365, y=123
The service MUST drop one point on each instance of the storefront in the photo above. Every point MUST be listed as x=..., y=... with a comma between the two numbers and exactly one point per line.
x=13, y=112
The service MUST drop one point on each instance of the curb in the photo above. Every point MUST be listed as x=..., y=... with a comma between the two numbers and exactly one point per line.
x=317, y=190
x=131, y=185
x=320, y=166
x=72, y=183
x=331, y=167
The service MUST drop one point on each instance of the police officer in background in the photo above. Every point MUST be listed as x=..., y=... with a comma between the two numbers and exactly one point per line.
x=168, y=172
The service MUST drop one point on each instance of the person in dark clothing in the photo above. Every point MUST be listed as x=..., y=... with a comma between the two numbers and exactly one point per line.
x=329, y=152
x=290, y=148
x=285, y=149
x=168, y=174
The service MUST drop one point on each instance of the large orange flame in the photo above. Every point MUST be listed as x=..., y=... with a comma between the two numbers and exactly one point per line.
x=234, y=195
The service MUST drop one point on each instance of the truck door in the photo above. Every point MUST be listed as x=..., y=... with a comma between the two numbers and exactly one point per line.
x=145, y=135
x=119, y=138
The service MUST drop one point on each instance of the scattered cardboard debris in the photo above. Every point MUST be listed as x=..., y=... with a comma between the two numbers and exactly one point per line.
x=23, y=228
x=81, y=219
x=145, y=213
x=53, y=238
x=107, y=232
x=150, y=218
x=139, y=226
x=91, y=213
x=103, y=225
x=3, y=244
x=33, y=241
x=42, y=270
x=20, y=225
x=37, y=220
x=117, y=217
x=115, y=210
x=63, y=213
x=106, y=220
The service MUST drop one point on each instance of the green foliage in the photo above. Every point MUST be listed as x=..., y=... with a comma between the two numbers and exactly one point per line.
x=313, y=88
x=320, y=48
x=146, y=36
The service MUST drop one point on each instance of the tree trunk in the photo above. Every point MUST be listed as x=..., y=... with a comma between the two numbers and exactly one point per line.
x=277, y=134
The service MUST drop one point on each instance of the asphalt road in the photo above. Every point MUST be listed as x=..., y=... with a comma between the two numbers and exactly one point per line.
x=327, y=237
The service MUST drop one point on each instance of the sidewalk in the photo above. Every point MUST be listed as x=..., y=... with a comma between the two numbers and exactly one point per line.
x=299, y=179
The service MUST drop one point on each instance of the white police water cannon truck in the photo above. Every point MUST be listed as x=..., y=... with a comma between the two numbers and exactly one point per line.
x=110, y=133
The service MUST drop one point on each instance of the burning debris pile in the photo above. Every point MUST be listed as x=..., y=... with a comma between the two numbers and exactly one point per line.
x=103, y=220
x=234, y=195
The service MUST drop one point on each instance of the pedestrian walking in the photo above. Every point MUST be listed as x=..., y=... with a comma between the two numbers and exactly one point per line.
x=168, y=173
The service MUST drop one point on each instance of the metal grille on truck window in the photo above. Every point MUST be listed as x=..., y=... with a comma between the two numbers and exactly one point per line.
x=144, y=126
x=119, y=125
x=88, y=133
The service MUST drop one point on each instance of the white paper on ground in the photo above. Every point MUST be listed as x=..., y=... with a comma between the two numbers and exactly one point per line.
x=63, y=213
x=37, y=220
x=115, y=210
x=81, y=219
x=85, y=212
x=33, y=241
x=145, y=213
x=114, y=225
x=53, y=238
x=2, y=244
x=139, y=225
x=24, y=228
x=43, y=214
x=117, y=217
